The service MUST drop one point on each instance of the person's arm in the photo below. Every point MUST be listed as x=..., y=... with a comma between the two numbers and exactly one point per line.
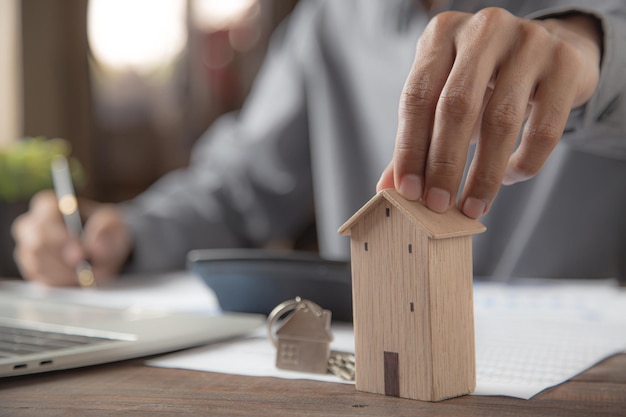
x=491, y=75
x=249, y=180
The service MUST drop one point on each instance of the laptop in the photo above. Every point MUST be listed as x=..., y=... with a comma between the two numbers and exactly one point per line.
x=40, y=335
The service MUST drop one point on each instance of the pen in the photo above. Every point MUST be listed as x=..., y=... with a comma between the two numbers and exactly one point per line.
x=68, y=206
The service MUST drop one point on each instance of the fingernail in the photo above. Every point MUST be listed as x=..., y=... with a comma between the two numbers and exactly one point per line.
x=508, y=179
x=379, y=184
x=411, y=187
x=511, y=177
x=474, y=207
x=438, y=199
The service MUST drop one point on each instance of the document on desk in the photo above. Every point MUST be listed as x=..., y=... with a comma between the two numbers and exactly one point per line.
x=529, y=337
x=175, y=291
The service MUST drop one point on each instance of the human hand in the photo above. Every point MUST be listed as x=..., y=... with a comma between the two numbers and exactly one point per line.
x=485, y=77
x=45, y=252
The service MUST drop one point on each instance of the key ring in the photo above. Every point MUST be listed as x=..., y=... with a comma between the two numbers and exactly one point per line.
x=285, y=307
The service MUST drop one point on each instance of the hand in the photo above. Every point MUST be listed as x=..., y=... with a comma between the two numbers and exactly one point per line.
x=486, y=77
x=45, y=252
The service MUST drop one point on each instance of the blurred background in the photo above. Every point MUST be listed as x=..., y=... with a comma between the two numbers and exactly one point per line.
x=129, y=85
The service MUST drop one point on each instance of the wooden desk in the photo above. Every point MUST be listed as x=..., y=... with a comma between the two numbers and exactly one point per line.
x=132, y=389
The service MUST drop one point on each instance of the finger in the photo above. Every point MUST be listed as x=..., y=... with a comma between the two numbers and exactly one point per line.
x=541, y=134
x=107, y=241
x=39, y=250
x=550, y=109
x=37, y=235
x=73, y=252
x=501, y=122
x=476, y=130
x=44, y=205
x=433, y=60
x=45, y=268
x=386, y=178
x=459, y=108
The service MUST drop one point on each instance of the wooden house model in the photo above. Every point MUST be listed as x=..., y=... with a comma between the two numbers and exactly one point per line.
x=412, y=298
x=304, y=339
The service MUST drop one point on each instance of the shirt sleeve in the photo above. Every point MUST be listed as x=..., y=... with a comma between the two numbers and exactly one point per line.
x=599, y=126
x=249, y=180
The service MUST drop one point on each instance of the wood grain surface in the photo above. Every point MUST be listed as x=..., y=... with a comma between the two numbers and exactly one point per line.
x=132, y=389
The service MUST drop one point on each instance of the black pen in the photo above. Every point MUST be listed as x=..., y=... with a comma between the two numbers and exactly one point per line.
x=68, y=206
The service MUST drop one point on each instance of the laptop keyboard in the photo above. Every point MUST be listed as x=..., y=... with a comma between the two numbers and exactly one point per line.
x=16, y=341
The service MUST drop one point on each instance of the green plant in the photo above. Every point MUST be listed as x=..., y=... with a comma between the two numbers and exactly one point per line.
x=25, y=167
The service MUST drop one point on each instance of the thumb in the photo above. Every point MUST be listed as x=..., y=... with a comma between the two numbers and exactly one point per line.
x=73, y=252
x=386, y=179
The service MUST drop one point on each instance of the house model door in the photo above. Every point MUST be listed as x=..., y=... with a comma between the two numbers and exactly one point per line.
x=392, y=374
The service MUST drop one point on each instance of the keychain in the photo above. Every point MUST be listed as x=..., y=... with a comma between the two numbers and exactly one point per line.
x=302, y=340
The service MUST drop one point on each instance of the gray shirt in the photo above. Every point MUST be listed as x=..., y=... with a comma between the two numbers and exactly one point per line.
x=318, y=129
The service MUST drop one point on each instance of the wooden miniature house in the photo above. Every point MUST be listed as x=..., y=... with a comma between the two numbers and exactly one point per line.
x=412, y=298
x=304, y=340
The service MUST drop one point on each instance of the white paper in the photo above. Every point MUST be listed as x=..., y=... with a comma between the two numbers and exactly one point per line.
x=179, y=291
x=532, y=336
x=252, y=356
x=528, y=338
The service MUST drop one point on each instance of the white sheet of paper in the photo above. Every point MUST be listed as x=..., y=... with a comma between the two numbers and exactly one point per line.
x=178, y=291
x=252, y=356
x=528, y=338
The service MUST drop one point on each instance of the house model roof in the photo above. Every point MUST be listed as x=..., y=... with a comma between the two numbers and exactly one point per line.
x=452, y=223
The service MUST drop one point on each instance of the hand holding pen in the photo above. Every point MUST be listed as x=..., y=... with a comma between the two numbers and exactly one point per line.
x=52, y=253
